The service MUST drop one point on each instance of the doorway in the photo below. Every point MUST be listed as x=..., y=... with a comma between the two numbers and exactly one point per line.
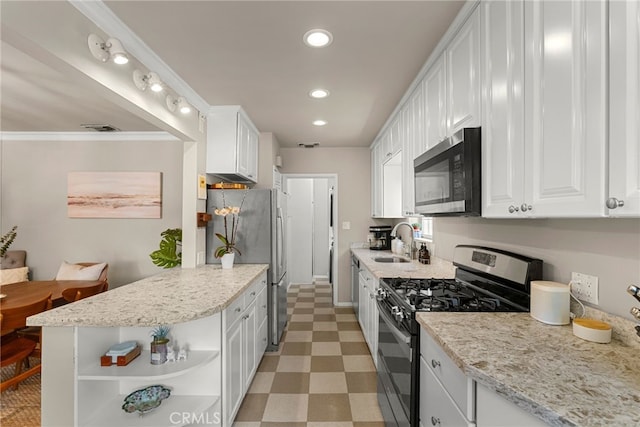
x=311, y=229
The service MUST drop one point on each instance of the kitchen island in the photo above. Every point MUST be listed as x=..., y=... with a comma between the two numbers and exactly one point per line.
x=77, y=391
x=542, y=369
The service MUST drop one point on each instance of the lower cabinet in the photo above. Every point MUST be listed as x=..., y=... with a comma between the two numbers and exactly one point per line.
x=368, y=311
x=494, y=410
x=244, y=322
x=447, y=395
x=449, y=398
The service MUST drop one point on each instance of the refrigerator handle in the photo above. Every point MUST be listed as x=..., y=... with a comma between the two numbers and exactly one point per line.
x=280, y=243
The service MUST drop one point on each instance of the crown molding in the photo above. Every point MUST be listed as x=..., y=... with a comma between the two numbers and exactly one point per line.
x=87, y=136
x=100, y=14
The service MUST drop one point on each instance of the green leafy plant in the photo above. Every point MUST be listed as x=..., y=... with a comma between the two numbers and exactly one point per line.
x=168, y=255
x=7, y=240
x=160, y=334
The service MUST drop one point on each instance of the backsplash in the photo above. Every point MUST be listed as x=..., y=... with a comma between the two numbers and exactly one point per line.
x=622, y=329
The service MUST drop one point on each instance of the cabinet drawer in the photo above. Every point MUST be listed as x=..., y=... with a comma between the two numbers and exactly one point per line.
x=254, y=289
x=453, y=379
x=261, y=306
x=235, y=309
x=436, y=406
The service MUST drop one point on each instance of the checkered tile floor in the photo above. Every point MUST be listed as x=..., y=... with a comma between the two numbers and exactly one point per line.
x=323, y=374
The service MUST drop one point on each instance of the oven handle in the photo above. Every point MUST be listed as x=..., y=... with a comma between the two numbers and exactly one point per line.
x=397, y=332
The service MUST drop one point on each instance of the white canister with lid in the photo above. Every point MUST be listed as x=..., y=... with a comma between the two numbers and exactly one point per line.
x=550, y=302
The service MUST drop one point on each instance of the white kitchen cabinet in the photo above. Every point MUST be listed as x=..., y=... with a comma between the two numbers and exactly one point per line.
x=413, y=143
x=624, y=104
x=435, y=104
x=503, y=162
x=565, y=108
x=243, y=346
x=463, y=76
x=493, y=410
x=544, y=139
x=437, y=408
x=396, y=135
x=376, y=178
x=368, y=310
x=232, y=144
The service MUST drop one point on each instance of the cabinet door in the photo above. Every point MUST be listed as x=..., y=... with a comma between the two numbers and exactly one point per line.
x=363, y=296
x=252, y=155
x=624, y=104
x=235, y=384
x=243, y=146
x=565, y=107
x=373, y=321
x=435, y=104
x=463, y=81
x=503, y=113
x=376, y=179
x=407, y=157
x=396, y=134
x=436, y=406
x=250, y=348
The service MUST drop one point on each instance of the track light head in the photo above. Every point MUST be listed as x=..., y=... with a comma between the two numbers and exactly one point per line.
x=111, y=49
x=179, y=103
x=144, y=81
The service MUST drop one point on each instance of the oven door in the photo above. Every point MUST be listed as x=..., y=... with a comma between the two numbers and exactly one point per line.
x=394, y=371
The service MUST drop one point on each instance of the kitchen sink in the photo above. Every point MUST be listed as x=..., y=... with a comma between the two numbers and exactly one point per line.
x=390, y=259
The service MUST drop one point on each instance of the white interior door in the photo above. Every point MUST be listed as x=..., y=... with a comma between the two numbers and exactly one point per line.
x=300, y=226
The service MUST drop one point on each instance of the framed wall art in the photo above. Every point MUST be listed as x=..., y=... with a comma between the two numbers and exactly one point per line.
x=114, y=194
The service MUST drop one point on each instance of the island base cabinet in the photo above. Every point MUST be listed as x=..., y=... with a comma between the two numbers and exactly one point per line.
x=493, y=410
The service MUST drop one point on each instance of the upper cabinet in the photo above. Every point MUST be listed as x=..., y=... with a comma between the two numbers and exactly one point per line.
x=386, y=172
x=435, y=105
x=544, y=131
x=624, y=103
x=463, y=76
x=232, y=144
x=413, y=117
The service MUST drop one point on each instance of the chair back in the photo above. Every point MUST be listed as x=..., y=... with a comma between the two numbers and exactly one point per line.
x=103, y=275
x=75, y=294
x=16, y=317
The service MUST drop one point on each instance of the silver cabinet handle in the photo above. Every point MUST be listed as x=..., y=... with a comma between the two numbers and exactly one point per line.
x=264, y=306
x=435, y=421
x=253, y=294
x=525, y=207
x=613, y=203
x=434, y=363
x=245, y=317
x=513, y=209
x=238, y=310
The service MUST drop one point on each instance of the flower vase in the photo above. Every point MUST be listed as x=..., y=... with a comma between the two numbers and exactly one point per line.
x=227, y=260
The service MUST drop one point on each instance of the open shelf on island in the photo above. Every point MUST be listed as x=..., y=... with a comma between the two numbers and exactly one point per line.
x=173, y=411
x=141, y=367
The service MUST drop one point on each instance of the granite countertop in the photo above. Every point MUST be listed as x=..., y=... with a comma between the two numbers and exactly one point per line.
x=175, y=296
x=439, y=268
x=544, y=369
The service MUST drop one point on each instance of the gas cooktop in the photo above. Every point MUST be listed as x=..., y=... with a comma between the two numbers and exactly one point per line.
x=445, y=295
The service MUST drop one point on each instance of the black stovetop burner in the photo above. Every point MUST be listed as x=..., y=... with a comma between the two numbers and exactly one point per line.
x=444, y=295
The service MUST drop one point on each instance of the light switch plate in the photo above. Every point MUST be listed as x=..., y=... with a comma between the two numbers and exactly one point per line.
x=346, y=225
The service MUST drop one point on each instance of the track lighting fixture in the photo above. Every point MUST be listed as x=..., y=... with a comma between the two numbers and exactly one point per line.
x=111, y=49
x=144, y=81
x=179, y=103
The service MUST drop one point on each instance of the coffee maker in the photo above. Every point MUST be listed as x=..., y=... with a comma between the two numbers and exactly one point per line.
x=380, y=237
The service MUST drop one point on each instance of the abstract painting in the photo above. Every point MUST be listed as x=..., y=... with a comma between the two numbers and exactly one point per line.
x=114, y=195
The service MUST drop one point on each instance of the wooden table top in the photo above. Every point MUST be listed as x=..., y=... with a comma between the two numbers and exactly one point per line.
x=20, y=293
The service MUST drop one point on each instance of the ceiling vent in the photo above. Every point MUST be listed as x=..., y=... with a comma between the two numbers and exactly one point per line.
x=100, y=128
x=308, y=144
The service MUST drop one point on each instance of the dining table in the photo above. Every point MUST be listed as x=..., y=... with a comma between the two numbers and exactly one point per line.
x=19, y=293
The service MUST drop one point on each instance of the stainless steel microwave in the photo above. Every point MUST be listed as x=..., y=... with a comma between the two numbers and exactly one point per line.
x=447, y=176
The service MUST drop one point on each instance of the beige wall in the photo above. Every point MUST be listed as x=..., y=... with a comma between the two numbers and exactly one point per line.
x=352, y=165
x=606, y=248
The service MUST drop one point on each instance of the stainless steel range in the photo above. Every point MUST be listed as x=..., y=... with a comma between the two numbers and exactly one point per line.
x=486, y=279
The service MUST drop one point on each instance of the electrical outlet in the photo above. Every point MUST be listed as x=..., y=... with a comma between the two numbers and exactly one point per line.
x=585, y=287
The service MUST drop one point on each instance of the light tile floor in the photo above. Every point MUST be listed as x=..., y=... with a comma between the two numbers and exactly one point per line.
x=323, y=374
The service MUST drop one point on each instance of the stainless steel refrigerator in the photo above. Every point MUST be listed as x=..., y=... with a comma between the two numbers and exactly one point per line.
x=261, y=240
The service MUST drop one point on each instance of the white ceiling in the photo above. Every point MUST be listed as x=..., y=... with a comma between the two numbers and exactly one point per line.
x=251, y=53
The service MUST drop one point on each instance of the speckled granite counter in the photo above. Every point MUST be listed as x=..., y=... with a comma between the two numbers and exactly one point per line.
x=175, y=296
x=439, y=268
x=544, y=369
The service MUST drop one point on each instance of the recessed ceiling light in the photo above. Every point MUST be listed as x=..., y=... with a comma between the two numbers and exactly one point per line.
x=319, y=93
x=318, y=38
x=319, y=122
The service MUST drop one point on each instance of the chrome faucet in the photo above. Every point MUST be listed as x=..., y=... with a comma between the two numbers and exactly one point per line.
x=409, y=251
x=634, y=291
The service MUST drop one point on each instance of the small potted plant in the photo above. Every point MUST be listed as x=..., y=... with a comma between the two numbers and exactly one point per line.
x=159, y=345
x=416, y=229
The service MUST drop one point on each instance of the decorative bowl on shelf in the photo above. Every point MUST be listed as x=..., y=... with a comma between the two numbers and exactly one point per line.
x=146, y=399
